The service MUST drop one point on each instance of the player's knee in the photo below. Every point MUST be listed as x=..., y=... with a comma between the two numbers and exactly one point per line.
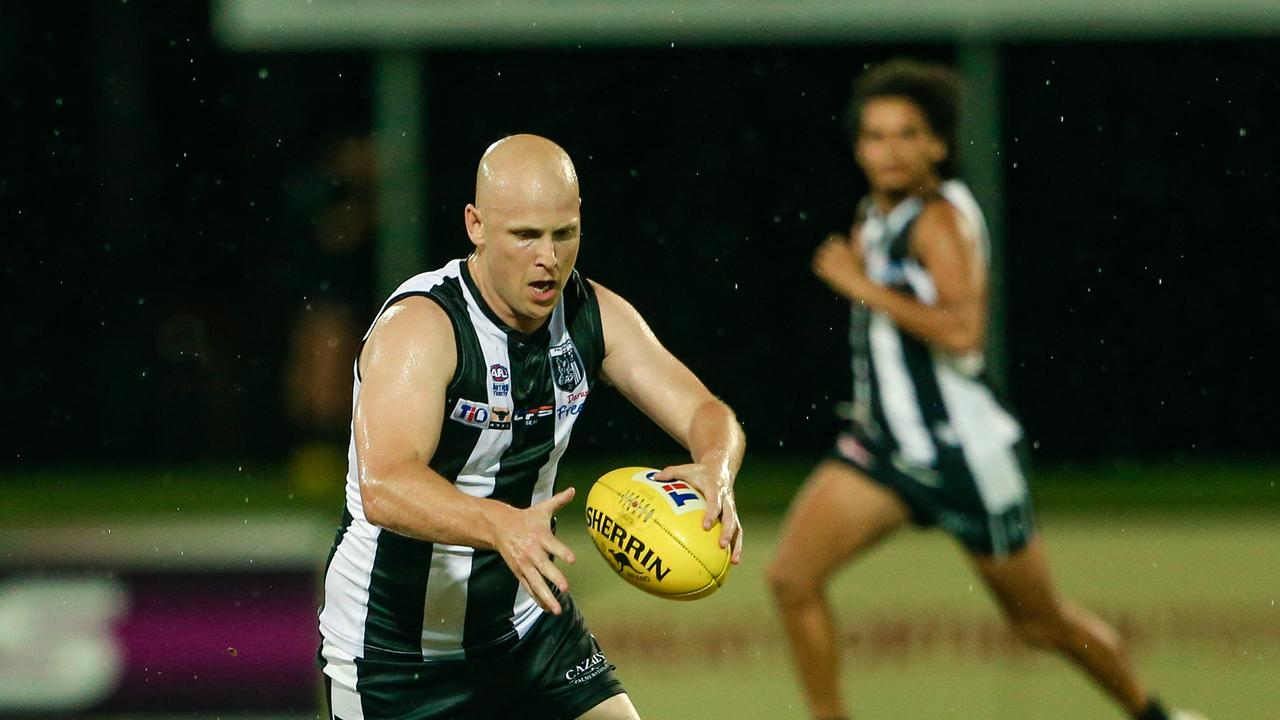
x=1034, y=634
x=790, y=586
x=1045, y=632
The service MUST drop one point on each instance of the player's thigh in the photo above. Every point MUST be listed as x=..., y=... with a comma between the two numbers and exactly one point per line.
x=838, y=512
x=1021, y=583
x=618, y=707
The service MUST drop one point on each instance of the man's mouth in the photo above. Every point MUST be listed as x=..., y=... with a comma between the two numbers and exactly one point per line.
x=543, y=290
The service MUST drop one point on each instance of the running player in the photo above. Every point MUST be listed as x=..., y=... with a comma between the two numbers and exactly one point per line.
x=442, y=596
x=929, y=443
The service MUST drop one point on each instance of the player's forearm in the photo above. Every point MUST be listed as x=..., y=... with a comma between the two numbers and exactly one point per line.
x=947, y=328
x=715, y=437
x=412, y=500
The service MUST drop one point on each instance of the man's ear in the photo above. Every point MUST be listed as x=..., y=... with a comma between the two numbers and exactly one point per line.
x=474, y=223
x=939, y=151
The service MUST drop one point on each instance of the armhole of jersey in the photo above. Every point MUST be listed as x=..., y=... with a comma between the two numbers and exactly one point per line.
x=597, y=325
x=905, y=242
x=457, y=340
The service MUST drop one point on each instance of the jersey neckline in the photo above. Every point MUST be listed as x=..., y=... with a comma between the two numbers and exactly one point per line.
x=543, y=331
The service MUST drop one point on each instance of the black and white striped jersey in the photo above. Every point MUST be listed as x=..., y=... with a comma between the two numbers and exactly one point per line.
x=510, y=409
x=914, y=401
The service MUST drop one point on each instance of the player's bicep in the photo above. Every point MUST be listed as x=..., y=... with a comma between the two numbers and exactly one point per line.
x=405, y=370
x=644, y=371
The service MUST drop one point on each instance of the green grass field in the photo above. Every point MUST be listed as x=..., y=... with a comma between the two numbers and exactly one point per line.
x=1197, y=598
x=1184, y=559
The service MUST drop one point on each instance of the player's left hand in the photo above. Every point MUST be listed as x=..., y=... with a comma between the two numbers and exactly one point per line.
x=838, y=263
x=715, y=481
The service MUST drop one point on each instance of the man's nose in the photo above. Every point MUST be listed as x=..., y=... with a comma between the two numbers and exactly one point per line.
x=545, y=252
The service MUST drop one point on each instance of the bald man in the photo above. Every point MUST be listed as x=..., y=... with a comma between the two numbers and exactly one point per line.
x=442, y=596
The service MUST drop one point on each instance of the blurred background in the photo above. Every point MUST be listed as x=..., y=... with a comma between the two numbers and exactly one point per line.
x=206, y=202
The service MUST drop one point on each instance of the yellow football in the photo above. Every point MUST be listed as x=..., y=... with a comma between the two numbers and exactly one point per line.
x=650, y=532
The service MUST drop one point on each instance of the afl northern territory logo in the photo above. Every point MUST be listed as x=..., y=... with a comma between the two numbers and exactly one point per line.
x=566, y=366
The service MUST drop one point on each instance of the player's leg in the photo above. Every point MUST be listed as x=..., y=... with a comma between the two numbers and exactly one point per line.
x=566, y=671
x=1024, y=589
x=838, y=512
x=618, y=707
x=364, y=689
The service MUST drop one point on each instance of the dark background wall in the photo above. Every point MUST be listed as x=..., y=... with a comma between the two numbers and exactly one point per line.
x=161, y=197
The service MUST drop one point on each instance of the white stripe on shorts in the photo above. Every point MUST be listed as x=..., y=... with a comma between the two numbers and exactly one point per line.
x=341, y=669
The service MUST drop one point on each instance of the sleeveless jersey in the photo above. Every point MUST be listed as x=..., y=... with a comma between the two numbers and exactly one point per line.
x=915, y=402
x=509, y=410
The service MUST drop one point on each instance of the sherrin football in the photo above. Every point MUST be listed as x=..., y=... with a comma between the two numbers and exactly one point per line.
x=650, y=532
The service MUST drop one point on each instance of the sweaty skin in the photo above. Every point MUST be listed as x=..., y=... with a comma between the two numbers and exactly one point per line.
x=526, y=227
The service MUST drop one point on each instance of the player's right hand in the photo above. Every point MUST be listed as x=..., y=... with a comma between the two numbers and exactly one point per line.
x=838, y=263
x=526, y=543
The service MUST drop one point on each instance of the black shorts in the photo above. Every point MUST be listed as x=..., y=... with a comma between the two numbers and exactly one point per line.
x=556, y=671
x=981, y=501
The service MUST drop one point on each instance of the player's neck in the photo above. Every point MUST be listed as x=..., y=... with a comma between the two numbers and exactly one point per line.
x=886, y=200
x=490, y=297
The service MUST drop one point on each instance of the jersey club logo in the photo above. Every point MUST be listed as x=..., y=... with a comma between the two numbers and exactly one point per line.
x=566, y=366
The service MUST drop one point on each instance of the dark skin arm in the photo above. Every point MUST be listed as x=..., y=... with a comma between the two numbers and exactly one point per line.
x=947, y=248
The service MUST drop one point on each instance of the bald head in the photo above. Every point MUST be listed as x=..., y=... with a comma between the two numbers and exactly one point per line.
x=524, y=169
x=526, y=226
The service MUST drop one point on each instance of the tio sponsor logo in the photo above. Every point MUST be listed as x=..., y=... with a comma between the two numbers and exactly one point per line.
x=471, y=413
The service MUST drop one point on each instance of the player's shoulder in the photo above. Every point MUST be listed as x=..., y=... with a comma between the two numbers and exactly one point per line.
x=609, y=301
x=619, y=319
x=937, y=208
x=941, y=218
x=413, y=332
x=412, y=321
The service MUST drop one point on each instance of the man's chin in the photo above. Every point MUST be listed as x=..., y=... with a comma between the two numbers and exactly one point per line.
x=537, y=313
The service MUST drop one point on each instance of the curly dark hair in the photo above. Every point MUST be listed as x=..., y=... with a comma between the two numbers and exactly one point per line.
x=934, y=88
